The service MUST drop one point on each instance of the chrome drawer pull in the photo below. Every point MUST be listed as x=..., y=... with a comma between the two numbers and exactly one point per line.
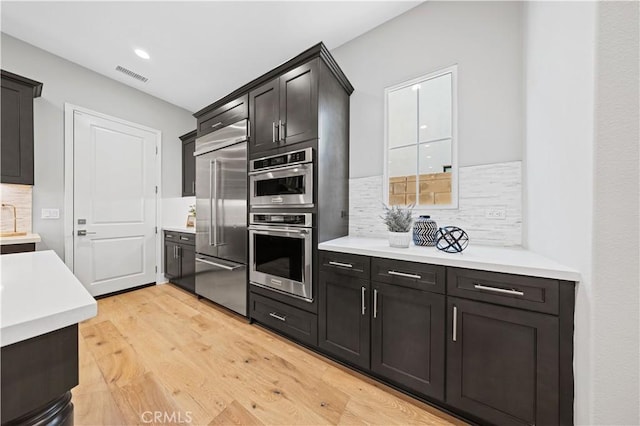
x=499, y=290
x=402, y=274
x=278, y=317
x=184, y=238
x=454, y=337
x=364, y=308
x=375, y=303
x=344, y=265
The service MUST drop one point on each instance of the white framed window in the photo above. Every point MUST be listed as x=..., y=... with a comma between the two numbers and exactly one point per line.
x=421, y=147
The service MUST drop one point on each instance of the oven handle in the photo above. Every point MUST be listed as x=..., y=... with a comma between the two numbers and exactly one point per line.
x=277, y=169
x=268, y=229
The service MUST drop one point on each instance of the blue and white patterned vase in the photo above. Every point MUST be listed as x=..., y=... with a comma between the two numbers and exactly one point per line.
x=424, y=231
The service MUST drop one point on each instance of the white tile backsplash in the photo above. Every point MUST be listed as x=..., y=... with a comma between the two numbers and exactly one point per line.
x=176, y=210
x=491, y=186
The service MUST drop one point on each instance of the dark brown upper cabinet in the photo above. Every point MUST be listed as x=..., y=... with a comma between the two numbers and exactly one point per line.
x=17, y=128
x=304, y=100
x=284, y=111
x=188, y=164
x=228, y=113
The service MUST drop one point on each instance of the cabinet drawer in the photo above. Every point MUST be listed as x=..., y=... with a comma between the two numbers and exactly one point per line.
x=180, y=237
x=420, y=276
x=299, y=324
x=224, y=115
x=346, y=264
x=535, y=294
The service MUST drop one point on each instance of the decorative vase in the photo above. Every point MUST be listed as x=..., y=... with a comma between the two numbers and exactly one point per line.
x=424, y=231
x=400, y=239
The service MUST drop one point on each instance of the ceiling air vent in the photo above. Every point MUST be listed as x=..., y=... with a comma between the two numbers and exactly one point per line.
x=132, y=74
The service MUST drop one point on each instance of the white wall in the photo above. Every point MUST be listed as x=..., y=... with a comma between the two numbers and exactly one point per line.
x=63, y=82
x=616, y=277
x=483, y=38
x=582, y=190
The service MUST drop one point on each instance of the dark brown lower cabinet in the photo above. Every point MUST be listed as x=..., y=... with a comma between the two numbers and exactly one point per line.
x=408, y=338
x=502, y=363
x=180, y=259
x=171, y=260
x=344, y=317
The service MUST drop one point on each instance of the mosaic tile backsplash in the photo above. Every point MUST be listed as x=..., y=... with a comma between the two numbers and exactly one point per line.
x=480, y=188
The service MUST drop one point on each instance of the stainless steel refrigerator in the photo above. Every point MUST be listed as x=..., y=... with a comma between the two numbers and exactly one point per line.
x=221, y=216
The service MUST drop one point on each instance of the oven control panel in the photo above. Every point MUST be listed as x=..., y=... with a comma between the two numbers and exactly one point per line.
x=300, y=219
x=296, y=157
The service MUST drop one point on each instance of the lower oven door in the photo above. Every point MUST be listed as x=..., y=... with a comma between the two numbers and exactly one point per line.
x=280, y=259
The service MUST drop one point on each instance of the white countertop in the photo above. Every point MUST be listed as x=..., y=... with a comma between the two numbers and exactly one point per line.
x=39, y=294
x=23, y=239
x=180, y=229
x=487, y=258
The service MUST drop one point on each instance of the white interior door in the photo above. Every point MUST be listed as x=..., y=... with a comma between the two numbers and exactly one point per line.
x=114, y=187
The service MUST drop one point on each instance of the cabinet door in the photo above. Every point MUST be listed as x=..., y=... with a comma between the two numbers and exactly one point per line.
x=502, y=363
x=299, y=104
x=344, y=318
x=188, y=169
x=171, y=260
x=17, y=133
x=408, y=338
x=263, y=113
x=187, y=267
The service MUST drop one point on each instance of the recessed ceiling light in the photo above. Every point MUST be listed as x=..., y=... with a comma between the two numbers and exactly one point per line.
x=142, y=53
x=424, y=126
x=415, y=87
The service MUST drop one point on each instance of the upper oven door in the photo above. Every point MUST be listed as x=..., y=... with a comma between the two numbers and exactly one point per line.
x=290, y=186
x=280, y=258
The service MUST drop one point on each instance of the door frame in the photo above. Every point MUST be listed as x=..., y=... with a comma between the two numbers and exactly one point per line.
x=69, y=110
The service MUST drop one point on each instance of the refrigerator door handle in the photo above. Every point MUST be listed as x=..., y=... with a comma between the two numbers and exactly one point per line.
x=213, y=202
x=219, y=265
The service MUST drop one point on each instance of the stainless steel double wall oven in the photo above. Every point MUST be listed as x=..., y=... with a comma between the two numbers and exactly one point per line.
x=281, y=199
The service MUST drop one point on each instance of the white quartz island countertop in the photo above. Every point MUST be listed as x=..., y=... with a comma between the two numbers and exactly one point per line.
x=39, y=294
x=486, y=258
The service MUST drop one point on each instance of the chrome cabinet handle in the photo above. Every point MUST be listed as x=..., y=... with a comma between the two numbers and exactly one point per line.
x=82, y=233
x=512, y=292
x=193, y=187
x=402, y=274
x=281, y=136
x=273, y=132
x=248, y=129
x=216, y=125
x=219, y=265
x=175, y=252
x=344, y=265
x=375, y=303
x=364, y=308
x=454, y=332
x=184, y=238
x=278, y=317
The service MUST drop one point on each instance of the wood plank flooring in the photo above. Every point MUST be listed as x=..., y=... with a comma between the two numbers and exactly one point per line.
x=159, y=356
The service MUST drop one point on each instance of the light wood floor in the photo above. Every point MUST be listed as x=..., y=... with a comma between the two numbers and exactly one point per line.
x=161, y=350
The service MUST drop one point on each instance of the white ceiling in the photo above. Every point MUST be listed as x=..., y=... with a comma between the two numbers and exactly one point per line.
x=200, y=51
